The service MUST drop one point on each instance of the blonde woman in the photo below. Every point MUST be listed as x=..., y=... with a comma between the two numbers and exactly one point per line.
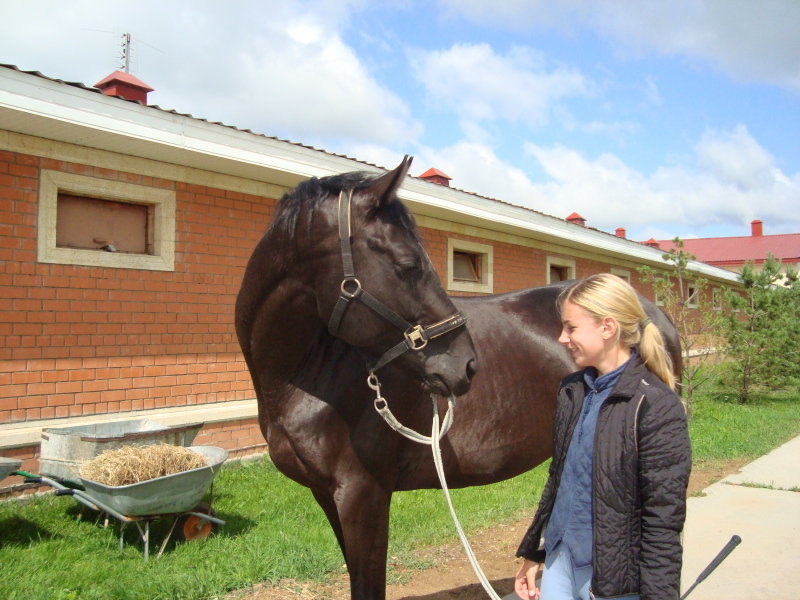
x=615, y=500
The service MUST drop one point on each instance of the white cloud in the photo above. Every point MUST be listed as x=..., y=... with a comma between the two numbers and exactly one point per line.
x=279, y=68
x=307, y=81
x=735, y=158
x=682, y=200
x=733, y=182
x=482, y=85
x=476, y=168
x=685, y=200
x=749, y=41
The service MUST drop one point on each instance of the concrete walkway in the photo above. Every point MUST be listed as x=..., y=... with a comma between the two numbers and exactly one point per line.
x=758, y=505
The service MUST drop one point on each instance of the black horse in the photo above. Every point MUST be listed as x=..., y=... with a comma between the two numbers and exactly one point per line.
x=339, y=285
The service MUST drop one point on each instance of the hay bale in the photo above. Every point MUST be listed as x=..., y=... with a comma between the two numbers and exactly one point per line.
x=132, y=464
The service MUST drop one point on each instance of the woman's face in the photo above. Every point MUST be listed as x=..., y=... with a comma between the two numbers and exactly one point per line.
x=583, y=335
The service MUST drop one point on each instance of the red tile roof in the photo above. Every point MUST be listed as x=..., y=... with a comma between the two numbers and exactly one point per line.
x=738, y=250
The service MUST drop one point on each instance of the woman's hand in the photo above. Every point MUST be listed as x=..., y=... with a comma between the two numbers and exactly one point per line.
x=525, y=580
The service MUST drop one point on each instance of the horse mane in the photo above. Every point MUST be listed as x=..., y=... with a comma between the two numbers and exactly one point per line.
x=311, y=194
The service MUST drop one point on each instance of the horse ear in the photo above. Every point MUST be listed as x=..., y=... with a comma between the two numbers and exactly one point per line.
x=384, y=188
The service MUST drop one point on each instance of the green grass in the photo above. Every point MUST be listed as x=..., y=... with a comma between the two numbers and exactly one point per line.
x=275, y=530
x=721, y=429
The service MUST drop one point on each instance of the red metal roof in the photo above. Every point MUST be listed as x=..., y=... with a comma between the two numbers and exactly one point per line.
x=738, y=250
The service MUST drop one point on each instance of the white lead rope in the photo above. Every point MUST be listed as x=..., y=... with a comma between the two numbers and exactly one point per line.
x=433, y=441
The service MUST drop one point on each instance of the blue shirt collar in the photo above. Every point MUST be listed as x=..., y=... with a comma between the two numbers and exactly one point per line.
x=597, y=384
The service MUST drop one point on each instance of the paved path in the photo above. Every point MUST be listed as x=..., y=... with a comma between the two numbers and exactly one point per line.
x=758, y=504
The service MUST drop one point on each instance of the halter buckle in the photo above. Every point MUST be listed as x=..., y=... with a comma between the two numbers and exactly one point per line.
x=416, y=338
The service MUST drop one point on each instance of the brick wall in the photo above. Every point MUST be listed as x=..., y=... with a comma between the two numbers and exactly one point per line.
x=77, y=340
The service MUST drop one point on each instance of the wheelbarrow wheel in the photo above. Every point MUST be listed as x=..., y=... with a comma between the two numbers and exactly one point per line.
x=191, y=527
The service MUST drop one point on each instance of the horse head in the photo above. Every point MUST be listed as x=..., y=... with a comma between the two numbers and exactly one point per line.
x=375, y=286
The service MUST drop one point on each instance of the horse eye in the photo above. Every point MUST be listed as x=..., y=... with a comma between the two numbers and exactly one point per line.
x=410, y=268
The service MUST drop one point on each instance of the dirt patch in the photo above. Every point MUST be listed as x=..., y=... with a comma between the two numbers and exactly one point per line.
x=454, y=579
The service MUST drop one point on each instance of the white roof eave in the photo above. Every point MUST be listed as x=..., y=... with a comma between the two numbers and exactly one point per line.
x=38, y=106
x=459, y=206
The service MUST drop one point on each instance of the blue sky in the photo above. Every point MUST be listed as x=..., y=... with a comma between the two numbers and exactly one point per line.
x=665, y=117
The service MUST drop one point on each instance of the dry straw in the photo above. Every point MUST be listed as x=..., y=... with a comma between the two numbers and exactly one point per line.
x=132, y=464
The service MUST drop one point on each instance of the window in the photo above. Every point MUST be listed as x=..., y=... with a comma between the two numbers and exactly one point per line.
x=716, y=298
x=692, y=296
x=97, y=222
x=560, y=269
x=622, y=273
x=94, y=224
x=469, y=266
x=466, y=266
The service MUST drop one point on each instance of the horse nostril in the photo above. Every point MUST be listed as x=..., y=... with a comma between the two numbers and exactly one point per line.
x=472, y=367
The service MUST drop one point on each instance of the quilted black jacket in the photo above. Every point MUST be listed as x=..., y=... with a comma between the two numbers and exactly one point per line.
x=641, y=466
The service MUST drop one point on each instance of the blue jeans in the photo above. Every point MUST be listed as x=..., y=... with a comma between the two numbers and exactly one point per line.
x=561, y=581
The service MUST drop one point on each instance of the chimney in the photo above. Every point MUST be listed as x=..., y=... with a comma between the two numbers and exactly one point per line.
x=124, y=85
x=756, y=228
x=620, y=232
x=436, y=176
x=576, y=219
x=652, y=243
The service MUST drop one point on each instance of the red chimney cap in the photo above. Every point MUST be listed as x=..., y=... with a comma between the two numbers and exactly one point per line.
x=124, y=85
x=436, y=176
x=576, y=219
x=653, y=243
x=434, y=173
x=123, y=77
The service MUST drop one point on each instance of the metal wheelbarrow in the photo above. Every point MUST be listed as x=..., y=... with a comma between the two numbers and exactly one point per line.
x=177, y=496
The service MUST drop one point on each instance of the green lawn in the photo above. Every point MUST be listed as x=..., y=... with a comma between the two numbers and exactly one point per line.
x=275, y=530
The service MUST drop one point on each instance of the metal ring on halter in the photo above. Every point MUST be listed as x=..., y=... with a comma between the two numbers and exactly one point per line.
x=381, y=400
x=353, y=294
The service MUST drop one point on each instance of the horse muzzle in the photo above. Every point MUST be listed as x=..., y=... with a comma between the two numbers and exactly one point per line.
x=447, y=375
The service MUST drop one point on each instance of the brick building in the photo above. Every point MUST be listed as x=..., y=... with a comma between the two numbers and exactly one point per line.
x=124, y=233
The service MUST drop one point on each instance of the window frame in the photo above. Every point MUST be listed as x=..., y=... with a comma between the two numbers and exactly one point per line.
x=161, y=200
x=716, y=298
x=485, y=283
x=561, y=262
x=622, y=273
x=692, y=296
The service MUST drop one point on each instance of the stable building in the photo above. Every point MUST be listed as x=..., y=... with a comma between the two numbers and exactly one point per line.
x=125, y=229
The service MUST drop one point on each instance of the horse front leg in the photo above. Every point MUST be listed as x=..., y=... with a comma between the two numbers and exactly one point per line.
x=363, y=509
x=325, y=500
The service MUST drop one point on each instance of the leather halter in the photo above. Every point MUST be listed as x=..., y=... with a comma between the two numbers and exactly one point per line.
x=415, y=337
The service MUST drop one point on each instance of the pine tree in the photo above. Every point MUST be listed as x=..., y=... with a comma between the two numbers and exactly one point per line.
x=763, y=329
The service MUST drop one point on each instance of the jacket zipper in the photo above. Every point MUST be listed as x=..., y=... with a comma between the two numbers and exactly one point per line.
x=636, y=446
x=636, y=422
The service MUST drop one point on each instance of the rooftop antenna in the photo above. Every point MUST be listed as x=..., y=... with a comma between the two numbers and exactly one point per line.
x=125, y=57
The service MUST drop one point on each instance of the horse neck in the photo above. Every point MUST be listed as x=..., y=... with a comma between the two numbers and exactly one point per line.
x=279, y=305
